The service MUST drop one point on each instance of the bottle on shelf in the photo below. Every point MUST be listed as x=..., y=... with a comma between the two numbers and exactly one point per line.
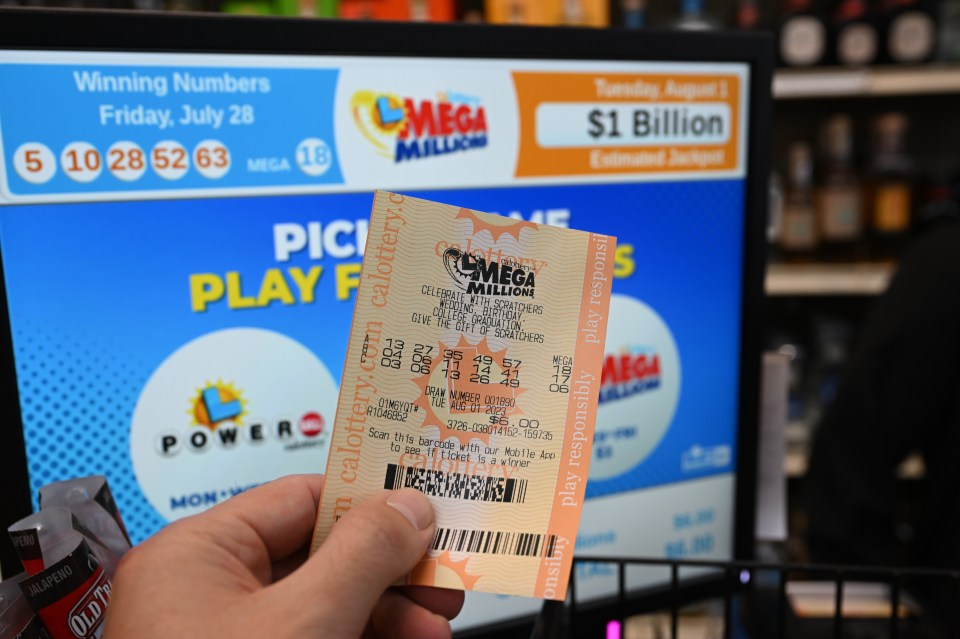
x=469, y=11
x=891, y=178
x=746, y=15
x=419, y=11
x=774, y=210
x=908, y=32
x=801, y=35
x=633, y=13
x=832, y=337
x=798, y=237
x=936, y=202
x=693, y=17
x=839, y=194
x=853, y=34
x=790, y=342
x=518, y=12
x=357, y=10
x=948, y=37
x=585, y=13
x=324, y=8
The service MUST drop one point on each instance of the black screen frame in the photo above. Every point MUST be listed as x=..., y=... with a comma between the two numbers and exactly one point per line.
x=66, y=30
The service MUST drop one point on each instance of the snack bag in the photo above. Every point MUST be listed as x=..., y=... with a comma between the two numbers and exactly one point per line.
x=91, y=500
x=71, y=595
x=37, y=537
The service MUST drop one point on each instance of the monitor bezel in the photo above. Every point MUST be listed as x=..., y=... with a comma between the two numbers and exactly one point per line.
x=94, y=30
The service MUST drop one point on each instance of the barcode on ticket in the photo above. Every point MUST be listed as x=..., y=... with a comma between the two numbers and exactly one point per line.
x=437, y=483
x=492, y=542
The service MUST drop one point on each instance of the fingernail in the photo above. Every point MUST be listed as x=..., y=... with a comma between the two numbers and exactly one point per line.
x=414, y=506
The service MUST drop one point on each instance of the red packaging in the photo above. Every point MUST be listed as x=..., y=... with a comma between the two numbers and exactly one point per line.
x=27, y=542
x=71, y=596
x=37, y=536
x=17, y=619
x=416, y=10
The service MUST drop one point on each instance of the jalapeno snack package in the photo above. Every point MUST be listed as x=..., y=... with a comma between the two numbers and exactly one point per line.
x=70, y=595
x=36, y=538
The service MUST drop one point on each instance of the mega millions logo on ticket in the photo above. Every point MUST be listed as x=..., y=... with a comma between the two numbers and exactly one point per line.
x=472, y=375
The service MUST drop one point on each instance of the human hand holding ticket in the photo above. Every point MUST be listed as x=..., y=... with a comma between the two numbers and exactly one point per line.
x=472, y=375
x=238, y=570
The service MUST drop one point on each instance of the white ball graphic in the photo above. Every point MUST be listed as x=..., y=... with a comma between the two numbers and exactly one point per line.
x=226, y=411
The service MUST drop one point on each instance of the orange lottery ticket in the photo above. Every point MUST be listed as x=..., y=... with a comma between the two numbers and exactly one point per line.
x=472, y=375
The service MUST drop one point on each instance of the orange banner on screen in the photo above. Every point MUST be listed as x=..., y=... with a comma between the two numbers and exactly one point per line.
x=588, y=123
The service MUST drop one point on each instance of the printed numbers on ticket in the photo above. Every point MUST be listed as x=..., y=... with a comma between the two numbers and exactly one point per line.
x=472, y=375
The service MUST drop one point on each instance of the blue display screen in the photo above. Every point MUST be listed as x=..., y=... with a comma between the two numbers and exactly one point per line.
x=181, y=259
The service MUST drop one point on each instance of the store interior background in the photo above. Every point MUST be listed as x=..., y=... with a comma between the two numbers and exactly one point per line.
x=885, y=133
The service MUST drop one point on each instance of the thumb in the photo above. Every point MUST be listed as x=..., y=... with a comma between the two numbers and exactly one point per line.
x=370, y=548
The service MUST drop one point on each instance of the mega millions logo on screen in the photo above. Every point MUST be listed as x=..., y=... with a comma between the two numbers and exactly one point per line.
x=636, y=370
x=408, y=129
x=639, y=389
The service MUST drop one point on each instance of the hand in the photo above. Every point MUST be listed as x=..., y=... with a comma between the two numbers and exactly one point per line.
x=241, y=570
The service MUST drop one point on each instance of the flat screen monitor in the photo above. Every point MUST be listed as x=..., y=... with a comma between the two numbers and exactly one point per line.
x=183, y=215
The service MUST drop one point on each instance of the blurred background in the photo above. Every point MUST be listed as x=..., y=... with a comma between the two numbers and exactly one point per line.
x=866, y=115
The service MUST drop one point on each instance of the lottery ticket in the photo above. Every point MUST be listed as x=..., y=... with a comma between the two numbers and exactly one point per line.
x=472, y=375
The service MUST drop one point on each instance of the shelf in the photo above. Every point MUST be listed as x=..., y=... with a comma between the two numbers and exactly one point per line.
x=795, y=84
x=862, y=278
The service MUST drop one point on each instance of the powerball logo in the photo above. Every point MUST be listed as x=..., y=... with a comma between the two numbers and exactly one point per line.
x=218, y=416
x=405, y=129
x=629, y=373
x=213, y=420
